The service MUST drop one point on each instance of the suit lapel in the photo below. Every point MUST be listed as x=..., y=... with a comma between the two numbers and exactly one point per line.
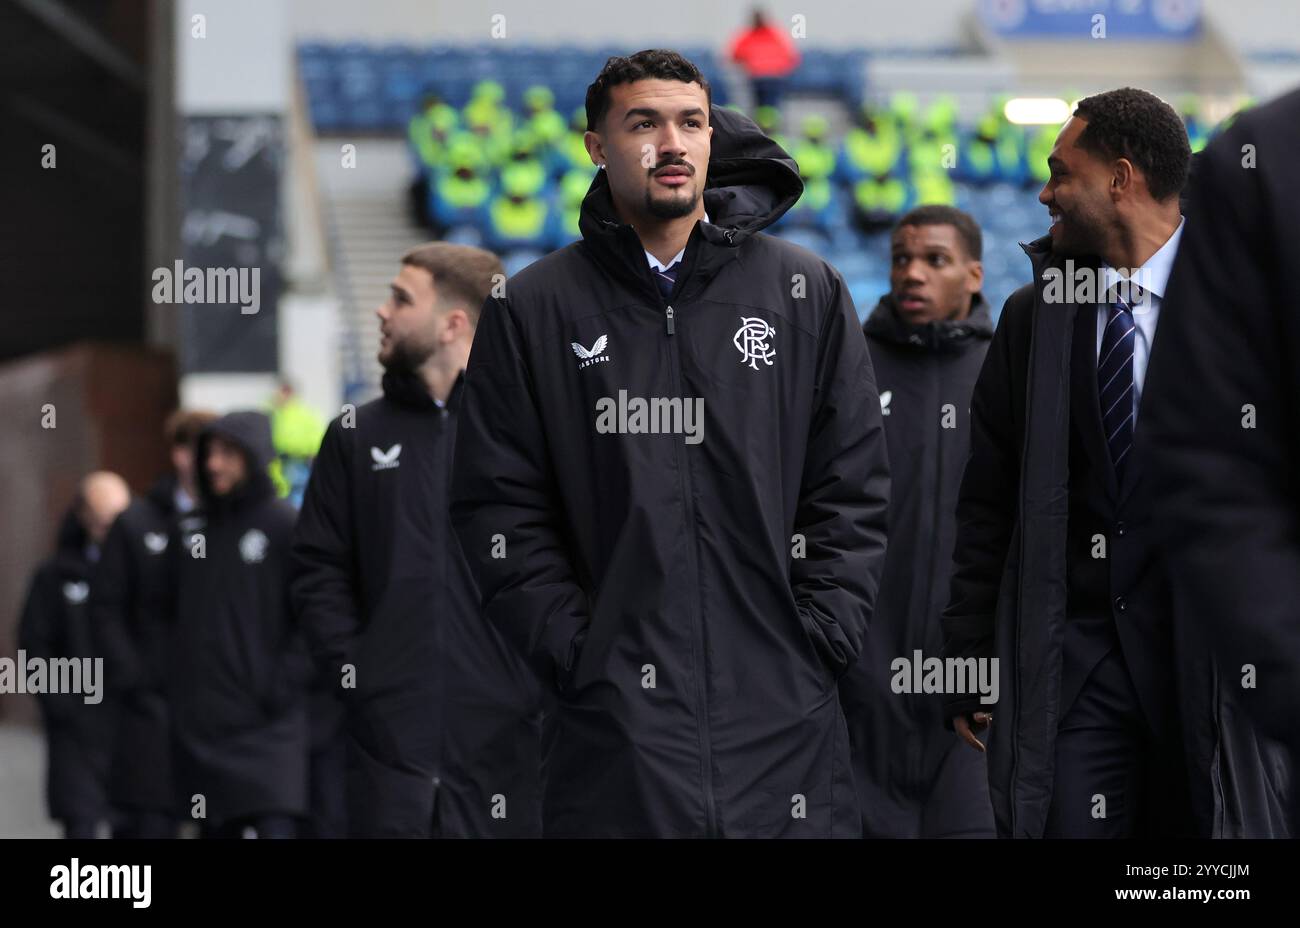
x=1132, y=472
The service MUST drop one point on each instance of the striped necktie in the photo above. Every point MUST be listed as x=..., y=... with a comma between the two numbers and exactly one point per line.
x=1115, y=380
x=667, y=278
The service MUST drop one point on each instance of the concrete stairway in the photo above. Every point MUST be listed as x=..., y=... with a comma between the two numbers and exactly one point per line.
x=368, y=213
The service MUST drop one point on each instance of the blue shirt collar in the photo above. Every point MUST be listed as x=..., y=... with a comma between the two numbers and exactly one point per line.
x=1152, y=277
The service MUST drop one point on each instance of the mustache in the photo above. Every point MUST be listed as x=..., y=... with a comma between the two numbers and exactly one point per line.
x=674, y=163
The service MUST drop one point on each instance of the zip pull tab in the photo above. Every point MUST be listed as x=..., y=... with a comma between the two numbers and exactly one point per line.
x=669, y=318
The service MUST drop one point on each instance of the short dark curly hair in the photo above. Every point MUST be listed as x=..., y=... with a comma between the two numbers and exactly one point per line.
x=935, y=214
x=1133, y=124
x=647, y=64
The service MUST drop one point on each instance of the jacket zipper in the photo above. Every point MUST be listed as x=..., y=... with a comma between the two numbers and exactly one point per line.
x=1219, y=827
x=934, y=364
x=701, y=693
x=1022, y=507
x=1016, y=688
x=445, y=448
x=1014, y=738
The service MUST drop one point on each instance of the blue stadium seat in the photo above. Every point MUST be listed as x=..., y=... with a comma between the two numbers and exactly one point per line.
x=845, y=238
x=818, y=72
x=866, y=293
x=518, y=259
x=455, y=91
x=355, y=86
x=606, y=52
x=859, y=263
x=814, y=241
x=464, y=235
x=326, y=115
x=367, y=115
x=399, y=52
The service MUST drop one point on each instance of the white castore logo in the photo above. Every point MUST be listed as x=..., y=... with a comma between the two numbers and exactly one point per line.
x=593, y=355
x=385, y=460
x=155, y=542
x=76, y=591
x=884, y=402
x=751, y=341
x=252, y=547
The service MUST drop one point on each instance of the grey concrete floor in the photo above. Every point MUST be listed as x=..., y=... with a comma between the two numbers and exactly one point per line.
x=22, y=784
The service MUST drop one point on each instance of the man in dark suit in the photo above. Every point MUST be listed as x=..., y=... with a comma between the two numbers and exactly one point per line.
x=1220, y=421
x=1054, y=566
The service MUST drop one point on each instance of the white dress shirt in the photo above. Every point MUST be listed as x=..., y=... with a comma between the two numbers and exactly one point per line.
x=655, y=264
x=1153, y=278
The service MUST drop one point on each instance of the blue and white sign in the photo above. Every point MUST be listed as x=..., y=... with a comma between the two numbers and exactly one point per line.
x=1145, y=20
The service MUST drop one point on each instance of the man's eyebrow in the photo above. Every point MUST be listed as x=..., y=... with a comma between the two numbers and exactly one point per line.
x=398, y=291
x=923, y=249
x=654, y=113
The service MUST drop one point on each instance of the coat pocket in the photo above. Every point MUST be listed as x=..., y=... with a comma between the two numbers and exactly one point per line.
x=813, y=642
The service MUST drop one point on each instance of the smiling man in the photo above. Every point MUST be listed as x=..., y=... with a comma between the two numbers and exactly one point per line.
x=1055, y=570
x=927, y=339
x=691, y=606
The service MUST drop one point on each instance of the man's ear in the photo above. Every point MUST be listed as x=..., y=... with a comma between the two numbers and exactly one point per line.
x=459, y=322
x=974, y=277
x=595, y=148
x=1122, y=176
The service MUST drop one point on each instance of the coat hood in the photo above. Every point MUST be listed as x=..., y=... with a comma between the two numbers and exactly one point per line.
x=752, y=181
x=886, y=324
x=251, y=432
x=163, y=493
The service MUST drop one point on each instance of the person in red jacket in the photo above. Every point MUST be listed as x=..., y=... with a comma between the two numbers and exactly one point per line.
x=768, y=56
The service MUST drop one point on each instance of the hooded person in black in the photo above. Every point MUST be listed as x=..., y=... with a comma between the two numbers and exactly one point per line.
x=671, y=483
x=239, y=669
x=55, y=629
x=927, y=339
x=131, y=620
x=443, y=717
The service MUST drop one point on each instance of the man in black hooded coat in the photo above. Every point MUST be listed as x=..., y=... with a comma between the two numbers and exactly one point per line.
x=444, y=718
x=927, y=337
x=670, y=482
x=132, y=625
x=239, y=672
x=56, y=626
